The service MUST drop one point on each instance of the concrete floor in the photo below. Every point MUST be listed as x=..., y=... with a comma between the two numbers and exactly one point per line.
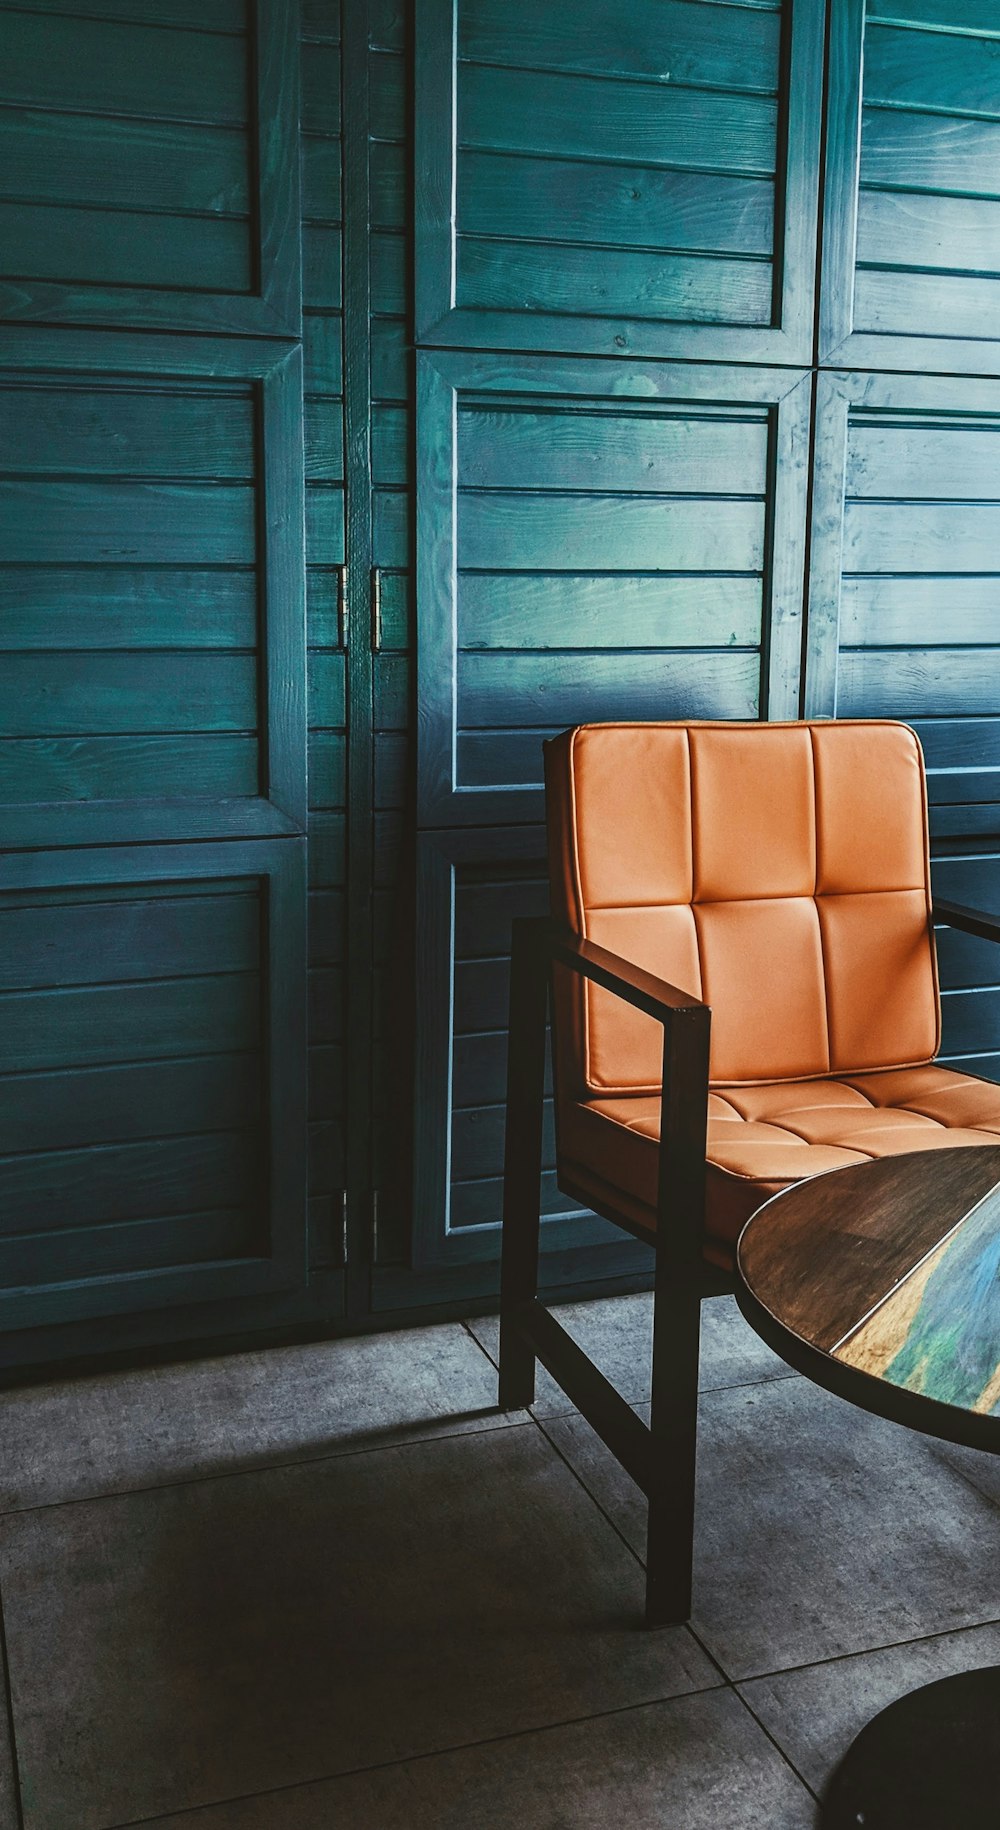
x=330, y=1586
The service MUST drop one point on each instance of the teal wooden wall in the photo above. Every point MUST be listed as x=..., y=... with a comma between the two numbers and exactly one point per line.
x=171, y=476
x=377, y=396
x=655, y=367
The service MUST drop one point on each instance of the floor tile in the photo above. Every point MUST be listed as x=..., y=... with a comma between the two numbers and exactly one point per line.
x=820, y=1531
x=193, y=1643
x=617, y=1333
x=118, y=1431
x=700, y=1763
x=814, y=1714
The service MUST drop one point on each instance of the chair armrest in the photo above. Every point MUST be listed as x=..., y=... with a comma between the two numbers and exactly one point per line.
x=970, y=921
x=656, y=996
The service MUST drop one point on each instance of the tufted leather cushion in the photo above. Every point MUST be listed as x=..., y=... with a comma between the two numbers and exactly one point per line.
x=779, y=871
x=762, y=1138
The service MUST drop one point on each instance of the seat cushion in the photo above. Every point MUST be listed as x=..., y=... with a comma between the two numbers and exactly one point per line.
x=762, y=1138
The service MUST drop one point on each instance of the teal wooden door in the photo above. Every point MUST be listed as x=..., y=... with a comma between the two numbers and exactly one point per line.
x=155, y=520
x=600, y=532
x=911, y=254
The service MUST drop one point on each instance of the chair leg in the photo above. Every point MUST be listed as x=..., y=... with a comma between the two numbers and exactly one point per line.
x=674, y=1435
x=680, y=1206
x=522, y=1161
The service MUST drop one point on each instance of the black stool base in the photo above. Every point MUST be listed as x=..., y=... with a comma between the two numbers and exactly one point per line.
x=931, y=1761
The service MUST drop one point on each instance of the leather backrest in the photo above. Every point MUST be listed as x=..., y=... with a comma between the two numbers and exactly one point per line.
x=779, y=871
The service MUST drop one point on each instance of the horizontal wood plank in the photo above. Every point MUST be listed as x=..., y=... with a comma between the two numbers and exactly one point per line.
x=137, y=165
x=916, y=229
x=101, y=1024
x=949, y=15
x=576, y=532
x=589, y=117
x=127, y=432
x=542, y=690
x=69, y=243
x=919, y=683
x=52, y=607
x=918, y=612
x=477, y=1141
x=602, y=282
x=132, y=767
x=94, y=943
x=63, y=1111
x=912, y=151
x=198, y=15
x=621, y=206
x=103, y=67
x=53, y=1189
x=923, y=459
x=480, y=1203
x=611, y=610
x=921, y=536
x=668, y=40
x=59, y=523
x=583, y=448
x=92, y=695
x=949, y=72
x=492, y=758
x=919, y=304
x=484, y=912
x=107, y=1249
x=970, y=1021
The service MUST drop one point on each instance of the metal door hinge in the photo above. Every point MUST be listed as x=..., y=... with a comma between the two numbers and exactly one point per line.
x=375, y=1238
x=343, y=1226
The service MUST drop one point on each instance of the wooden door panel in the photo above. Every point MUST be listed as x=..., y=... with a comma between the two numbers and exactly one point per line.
x=623, y=181
x=911, y=239
x=470, y=886
x=148, y=171
x=152, y=1144
x=597, y=544
x=151, y=615
x=904, y=572
x=902, y=624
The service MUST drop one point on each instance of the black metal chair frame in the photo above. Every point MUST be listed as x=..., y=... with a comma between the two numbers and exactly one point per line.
x=660, y=1458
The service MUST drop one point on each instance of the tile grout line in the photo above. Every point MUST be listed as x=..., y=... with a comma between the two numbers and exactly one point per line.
x=15, y=1765
x=776, y=1744
x=434, y=1753
x=888, y=1645
x=519, y=1419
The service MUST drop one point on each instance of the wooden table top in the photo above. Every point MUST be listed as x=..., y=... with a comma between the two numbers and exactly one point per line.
x=889, y=1270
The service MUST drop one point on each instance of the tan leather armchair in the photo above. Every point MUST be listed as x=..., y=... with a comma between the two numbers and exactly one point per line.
x=744, y=992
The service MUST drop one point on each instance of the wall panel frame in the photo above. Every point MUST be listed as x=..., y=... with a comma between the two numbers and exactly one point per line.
x=109, y=360
x=739, y=289
x=911, y=206
x=276, y=868
x=723, y=535
x=904, y=574
x=576, y=1245
x=271, y=304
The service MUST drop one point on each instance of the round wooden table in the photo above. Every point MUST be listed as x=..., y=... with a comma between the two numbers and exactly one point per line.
x=881, y=1282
